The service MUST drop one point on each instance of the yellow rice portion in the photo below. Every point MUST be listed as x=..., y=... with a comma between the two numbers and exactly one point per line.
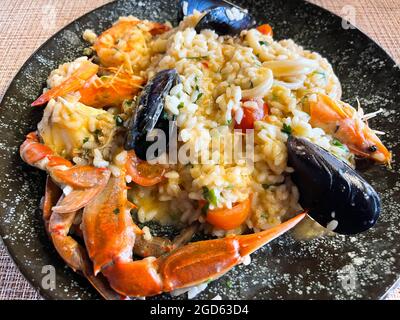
x=216, y=73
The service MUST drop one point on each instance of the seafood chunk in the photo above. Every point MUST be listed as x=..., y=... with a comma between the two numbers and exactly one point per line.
x=127, y=43
x=67, y=125
x=348, y=126
x=335, y=195
x=150, y=114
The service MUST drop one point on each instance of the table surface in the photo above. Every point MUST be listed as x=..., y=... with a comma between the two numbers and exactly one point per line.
x=24, y=27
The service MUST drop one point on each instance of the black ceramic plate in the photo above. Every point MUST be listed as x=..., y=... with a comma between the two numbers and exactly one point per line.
x=362, y=266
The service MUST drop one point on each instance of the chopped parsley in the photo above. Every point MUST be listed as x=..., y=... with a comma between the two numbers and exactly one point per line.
x=127, y=103
x=287, y=129
x=116, y=211
x=88, y=52
x=228, y=122
x=85, y=140
x=119, y=121
x=204, y=209
x=337, y=143
x=198, y=58
x=266, y=186
x=321, y=73
x=210, y=196
x=263, y=43
x=199, y=96
x=181, y=105
x=165, y=116
x=229, y=284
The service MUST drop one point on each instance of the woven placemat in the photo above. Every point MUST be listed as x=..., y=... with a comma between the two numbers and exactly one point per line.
x=25, y=24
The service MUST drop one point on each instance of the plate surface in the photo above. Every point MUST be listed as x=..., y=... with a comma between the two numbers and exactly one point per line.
x=358, y=267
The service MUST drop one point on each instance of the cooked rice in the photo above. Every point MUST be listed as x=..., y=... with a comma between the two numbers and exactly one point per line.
x=216, y=74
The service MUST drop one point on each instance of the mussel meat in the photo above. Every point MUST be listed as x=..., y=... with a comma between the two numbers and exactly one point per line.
x=334, y=194
x=150, y=113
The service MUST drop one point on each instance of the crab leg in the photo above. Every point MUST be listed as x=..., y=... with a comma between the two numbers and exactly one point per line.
x=57, y=227
x=188, y=266
x=107, y=225
x=110, y=233
x=86, y=182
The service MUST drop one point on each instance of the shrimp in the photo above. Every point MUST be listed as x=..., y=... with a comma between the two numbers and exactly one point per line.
x=110, y=89
x=126, y=43
x=349, y=127
x=76, y=81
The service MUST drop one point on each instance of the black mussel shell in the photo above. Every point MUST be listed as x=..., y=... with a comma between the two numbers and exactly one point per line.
x=150, y=113
x=334, y=194
x=226, y=21
x=187, y=7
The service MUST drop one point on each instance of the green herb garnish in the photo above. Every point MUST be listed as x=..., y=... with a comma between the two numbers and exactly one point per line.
x=228, y=122
x=85, y=140
x=337, y=143
x=287, y=129
x=181, y=105
x=204, y=209
x=263, y=43
x=87, y=51
x=199, y=96
x=229, y=284
x=210, y=196
x=119, y=121
x=165, y=116
x=197, y=58
x=321, y=73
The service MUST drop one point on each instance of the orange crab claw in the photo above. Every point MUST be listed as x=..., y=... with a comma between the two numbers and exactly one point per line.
x=51, y=196
x=73, y=253
x=80, y=177
x=73, y=83
x=190, y=265
x=107, y=225
x=79, y=198
x=86, y=182
x=32, y=152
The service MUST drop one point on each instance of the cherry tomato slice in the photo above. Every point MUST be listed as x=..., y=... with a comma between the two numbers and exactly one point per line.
x=142, y=172
x=265, y=29
x=250, y=115
x=228, y=219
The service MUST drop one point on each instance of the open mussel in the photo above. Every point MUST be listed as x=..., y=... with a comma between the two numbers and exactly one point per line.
x=334, y=194
x=150, y=114
x=221, y=16
x=187, y=7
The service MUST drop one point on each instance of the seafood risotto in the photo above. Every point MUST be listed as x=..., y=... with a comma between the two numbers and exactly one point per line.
x=215, y=77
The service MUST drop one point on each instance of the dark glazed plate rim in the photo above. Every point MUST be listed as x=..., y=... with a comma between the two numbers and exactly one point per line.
x=13, y=250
